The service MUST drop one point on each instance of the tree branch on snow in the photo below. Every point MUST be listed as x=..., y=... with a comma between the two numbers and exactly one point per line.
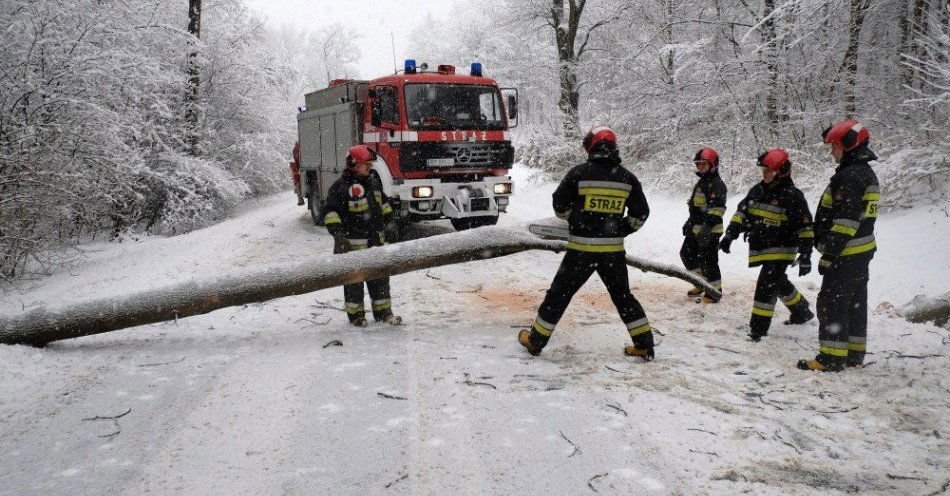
x=391, y=396
x=590, y=482
x=42, y=325
x=576, y=449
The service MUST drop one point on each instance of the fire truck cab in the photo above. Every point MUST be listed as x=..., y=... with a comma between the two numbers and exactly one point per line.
x=441, y=138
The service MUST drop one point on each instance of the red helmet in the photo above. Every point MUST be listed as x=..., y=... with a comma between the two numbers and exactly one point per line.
x=777, y=160
x=849, y=133
x=359, y=153
x=598, y=135
x=707, y=154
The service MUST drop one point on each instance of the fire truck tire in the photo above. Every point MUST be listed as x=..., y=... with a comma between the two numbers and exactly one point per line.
x=461, y=224
x=488, y=220
x=313, y=204
x=473, y=222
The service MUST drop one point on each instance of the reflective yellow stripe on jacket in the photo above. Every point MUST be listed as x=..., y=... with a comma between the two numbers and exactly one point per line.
x=595, y=245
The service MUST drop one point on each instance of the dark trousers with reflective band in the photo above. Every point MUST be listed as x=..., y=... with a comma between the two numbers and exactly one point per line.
x=771, y=286
x=702, y=260
x=575, y=270
x=378, y=290
x=843, y=312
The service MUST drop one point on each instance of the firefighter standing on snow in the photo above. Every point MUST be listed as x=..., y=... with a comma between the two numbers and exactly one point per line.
x=295, y=173
x=707, y=205
x=593, y=198
x=778, y=222
x=844, y=231
x=356, y=213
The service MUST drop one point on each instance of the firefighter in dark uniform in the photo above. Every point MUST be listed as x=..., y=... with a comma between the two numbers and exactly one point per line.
x=707, y=205
x=844, y=231
x=778, y=224
x=356, y=213
x=603, y=202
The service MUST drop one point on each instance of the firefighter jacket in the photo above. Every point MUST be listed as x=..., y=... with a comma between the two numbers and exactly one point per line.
x=602, y=202
x=357, y=209
x=844, y=221
x=777, y=220
x=707, y=205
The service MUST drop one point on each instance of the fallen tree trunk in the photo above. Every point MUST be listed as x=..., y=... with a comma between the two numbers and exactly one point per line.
x=927, y=309
x=43, y=325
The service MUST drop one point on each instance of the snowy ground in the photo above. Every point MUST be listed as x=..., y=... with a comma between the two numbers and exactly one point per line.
x=249, y=401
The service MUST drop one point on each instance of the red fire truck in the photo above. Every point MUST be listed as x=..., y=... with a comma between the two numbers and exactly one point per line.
x=441, y=138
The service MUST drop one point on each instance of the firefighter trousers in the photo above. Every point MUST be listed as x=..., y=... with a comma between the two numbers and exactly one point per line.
x=843, y=312
x=353, y=293
x=772, y=285
x=576, y=268
x=703, y=261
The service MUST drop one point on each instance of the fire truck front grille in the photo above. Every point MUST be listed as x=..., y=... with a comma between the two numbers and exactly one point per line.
x=442, y=155
x=480, y=204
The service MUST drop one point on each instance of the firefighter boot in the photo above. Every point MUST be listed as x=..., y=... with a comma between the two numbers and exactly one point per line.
x=645, y=353
x=756, y=336
x=696, y=291
x=817, y=366
x=359, y=321
x=855, y=359
x=800, y=317
x=708, y=298
x=532, y=341
x=392, y=319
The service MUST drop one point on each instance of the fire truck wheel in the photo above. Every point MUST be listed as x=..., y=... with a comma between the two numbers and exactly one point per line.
x=313, y=204
x=488, y=220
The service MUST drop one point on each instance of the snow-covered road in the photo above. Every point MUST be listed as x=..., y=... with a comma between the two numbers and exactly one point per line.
x=249, y=400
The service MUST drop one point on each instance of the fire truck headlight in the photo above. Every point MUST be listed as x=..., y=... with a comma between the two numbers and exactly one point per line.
x=422, y=192
x=502, y=188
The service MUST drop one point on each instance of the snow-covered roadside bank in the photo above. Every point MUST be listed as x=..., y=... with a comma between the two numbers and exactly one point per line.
x=248, y=401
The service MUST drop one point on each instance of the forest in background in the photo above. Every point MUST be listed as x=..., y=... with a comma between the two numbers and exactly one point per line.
x=104, y=132
x=738, y=75
x=127, y=116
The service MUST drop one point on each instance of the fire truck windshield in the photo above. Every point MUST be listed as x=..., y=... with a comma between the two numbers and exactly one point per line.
x=453, y=106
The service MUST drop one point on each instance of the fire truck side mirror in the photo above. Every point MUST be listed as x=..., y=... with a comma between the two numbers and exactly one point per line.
x=511, y=105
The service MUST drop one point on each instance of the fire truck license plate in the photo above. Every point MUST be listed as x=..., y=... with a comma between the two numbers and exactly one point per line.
x=440, y=162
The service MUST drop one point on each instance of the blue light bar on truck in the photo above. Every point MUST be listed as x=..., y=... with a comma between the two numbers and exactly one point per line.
x=477, y=69
x=410, y=66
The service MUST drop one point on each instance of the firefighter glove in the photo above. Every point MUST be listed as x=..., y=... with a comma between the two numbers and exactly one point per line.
x=725, y=244
x=340, y=243
x=804, y=265
x=705, y=237
x=686, y=228
x=824, y=265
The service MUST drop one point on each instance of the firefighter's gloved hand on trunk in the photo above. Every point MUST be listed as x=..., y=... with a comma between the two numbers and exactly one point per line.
x=804, y=264
x=340, y=243
x=392, y=232
x=725, y=244
x=687, y=228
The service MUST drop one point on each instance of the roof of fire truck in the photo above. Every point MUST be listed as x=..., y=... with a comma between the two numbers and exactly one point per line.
x=443, y=74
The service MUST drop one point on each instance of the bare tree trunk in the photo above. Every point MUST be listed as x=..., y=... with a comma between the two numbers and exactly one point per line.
x=927, y=309
x=192, y=114
x=850, y=62
x=907, y=73
x=668, y=35
x=565, y=37
x=771, y=66
x=41, y=326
